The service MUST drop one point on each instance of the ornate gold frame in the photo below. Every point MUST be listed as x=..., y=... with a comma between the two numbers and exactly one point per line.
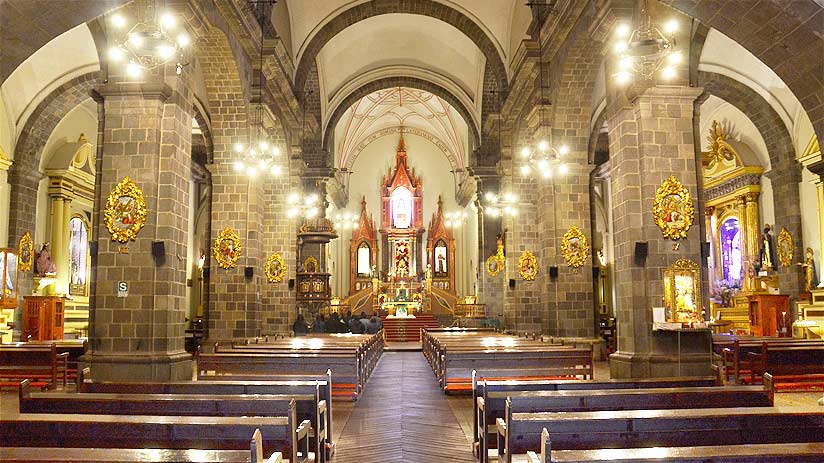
x=662, y=213
x=275, y=275
x=528, y=265
x=24, y=265
x=574, y=257
x=128, y=188
x=493, y=265
x=223, y=261
x=313, y=262
x=785, y=258
x=685, y=268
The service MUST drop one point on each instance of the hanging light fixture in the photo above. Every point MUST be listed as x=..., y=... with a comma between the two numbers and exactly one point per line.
x=346, y=221
x=543, y=159
x=454, y=219
x=501, y=205
x=646, y=50
x=302, y=206
x=156, y=40
x=260, y=156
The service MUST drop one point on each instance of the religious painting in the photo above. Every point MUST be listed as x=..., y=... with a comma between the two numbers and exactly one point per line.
x=125, y=211
x=682, y=295
x=440, y=259
x=731, y=258
x=275, y=268
x=673, y=209
x=574, y=247
x=364, y=259
x=401, y=208
x=528, y=266
x=8, y=272
x=402, y=263
x=786, y=248
x=227, y=248
x=310, y=265
x=26, y=252
x=78, y=256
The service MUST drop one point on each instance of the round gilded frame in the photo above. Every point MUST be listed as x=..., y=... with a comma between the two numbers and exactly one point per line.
x=528, y=266
x=275, y=268
x=227, y=248
x=125, y=206
x=575, y=247
x=673, y=209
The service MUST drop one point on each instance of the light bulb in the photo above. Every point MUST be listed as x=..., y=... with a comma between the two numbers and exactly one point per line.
x=293, y=198
x=543, y=164
x=276, y=170
x=238, y=165
x=563, y=169
x=543, y=145
x=275, y=151
x=490, y=197
x=118, y=21
x=115, y=54
x=494, y=211
x=165, y=51
x=134, y=70
x=252, y=153
x=262, y=164
x=625, y=63
x=564, y=150
x=525, y=152
x=622, y=77
x=525, y=171
x=136, y=40
x=252, y=172
x=547, y=173
x=674, y=57
x=622, y=30
x=668, y=73
x=183, y=40
x=620, y=47
x=263, y=145
x=671, y=26
x=238, y=148
x=168, y=21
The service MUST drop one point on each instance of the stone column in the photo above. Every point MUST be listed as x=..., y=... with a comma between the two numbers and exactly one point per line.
x=651, y=138
x=147, y=137
x=785, y=177
x=490, y=289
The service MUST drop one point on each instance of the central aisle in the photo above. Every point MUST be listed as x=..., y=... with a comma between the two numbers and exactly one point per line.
x=402, y=416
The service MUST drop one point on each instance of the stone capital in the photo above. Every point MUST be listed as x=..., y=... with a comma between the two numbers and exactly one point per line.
x=670, y=92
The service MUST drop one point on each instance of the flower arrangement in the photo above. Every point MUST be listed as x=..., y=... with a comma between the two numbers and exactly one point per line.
x=724, y=290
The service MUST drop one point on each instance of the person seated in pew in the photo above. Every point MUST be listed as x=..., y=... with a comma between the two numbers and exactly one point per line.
x=373, y=326
x=355, y=326
x=364, y=320
x=300, y=327
x=320, y=324
x=334, y=325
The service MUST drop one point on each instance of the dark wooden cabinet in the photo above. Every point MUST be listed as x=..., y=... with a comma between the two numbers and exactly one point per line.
x=43, y=318
x=769, y=313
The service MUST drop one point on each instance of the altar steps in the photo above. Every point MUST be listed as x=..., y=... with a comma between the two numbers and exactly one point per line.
x=408, y=329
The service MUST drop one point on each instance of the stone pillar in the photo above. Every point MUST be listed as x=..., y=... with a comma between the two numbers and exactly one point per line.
x=147, y=137
x=490, y=289
x=651, y=138
x=785, y=177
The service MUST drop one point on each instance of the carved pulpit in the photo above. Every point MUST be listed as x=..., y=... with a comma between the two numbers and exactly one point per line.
x=401, y=217
x=440, y=251
x=363, y=252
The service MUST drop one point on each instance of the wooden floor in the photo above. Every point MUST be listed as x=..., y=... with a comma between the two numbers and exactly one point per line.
x=402, y=416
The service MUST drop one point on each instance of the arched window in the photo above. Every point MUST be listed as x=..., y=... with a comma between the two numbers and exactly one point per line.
x=78, y=252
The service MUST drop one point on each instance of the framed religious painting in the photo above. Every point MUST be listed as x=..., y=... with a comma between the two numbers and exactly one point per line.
x=786, y=248
x=528, y=266
x=227, y=248
x=125, y=211
x=673, y=209
x=494, y=265
x=275, y=268
x=310, y=265
x=682, y=292
x=26, y=252
x=574, y=247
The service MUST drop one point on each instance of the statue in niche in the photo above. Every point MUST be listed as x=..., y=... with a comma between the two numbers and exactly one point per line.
x=767, y=259
x=810, y=275
x=44, y=265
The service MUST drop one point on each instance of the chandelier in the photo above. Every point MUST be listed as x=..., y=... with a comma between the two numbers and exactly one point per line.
x=346, y=221
x=501, y=205
x=454, y=219
x=646, y=50
x=302, y=206
x=149, y=43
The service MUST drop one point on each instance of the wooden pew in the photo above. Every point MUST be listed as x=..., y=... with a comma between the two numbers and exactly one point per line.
x=320, y=388
x=74, y=347
x=808, y=452
x=779, y=356
x=492, y=405
x=108, y=455
x=520, y=432
x=168, y=432
x=42, y=364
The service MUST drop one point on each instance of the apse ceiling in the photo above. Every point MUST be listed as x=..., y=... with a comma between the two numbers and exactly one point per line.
x=385, y=112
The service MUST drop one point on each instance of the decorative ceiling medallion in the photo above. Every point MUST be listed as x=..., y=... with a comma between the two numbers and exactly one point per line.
x=528, y=266
x=310, y=265
x=786, y=248
x=673, y=209
x=227, y=248
x=275, y=268
x=26, y=252
x=125, y=211
x=574, y=247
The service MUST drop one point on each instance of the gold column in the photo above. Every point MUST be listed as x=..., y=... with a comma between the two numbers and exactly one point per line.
x=716, y=244
x=740, y=206
x=753, y=234
x=57, y=250
x=63, y=265
x=709, y=211
x=819, y=188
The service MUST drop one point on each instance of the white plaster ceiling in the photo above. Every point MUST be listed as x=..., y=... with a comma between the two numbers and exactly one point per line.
x=383, y=112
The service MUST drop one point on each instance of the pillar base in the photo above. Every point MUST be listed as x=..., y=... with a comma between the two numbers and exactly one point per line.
x=628, y=365
x=144, y=367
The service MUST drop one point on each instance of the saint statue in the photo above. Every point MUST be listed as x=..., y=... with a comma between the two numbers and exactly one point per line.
x=810, y=275
x=44, y=264
x=767, y=261
x=428, y=278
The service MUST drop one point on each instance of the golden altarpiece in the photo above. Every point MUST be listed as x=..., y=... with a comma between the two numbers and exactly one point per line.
x=810, y=314
x=363, y=253
x=732, y=189
x=440, y=252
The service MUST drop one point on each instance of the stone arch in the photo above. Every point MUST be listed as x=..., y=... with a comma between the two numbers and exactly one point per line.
x=429, y=8
x=398, y=81
x=24, y=174
x=787, y=40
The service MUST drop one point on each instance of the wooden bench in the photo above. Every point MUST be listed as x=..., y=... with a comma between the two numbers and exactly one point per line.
x=318, y=411
x=42, y=364
x=808, y=452
x=108, y=455
x=492, y=405
x=787, y=359
x=518, y=433
x=281, y=433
